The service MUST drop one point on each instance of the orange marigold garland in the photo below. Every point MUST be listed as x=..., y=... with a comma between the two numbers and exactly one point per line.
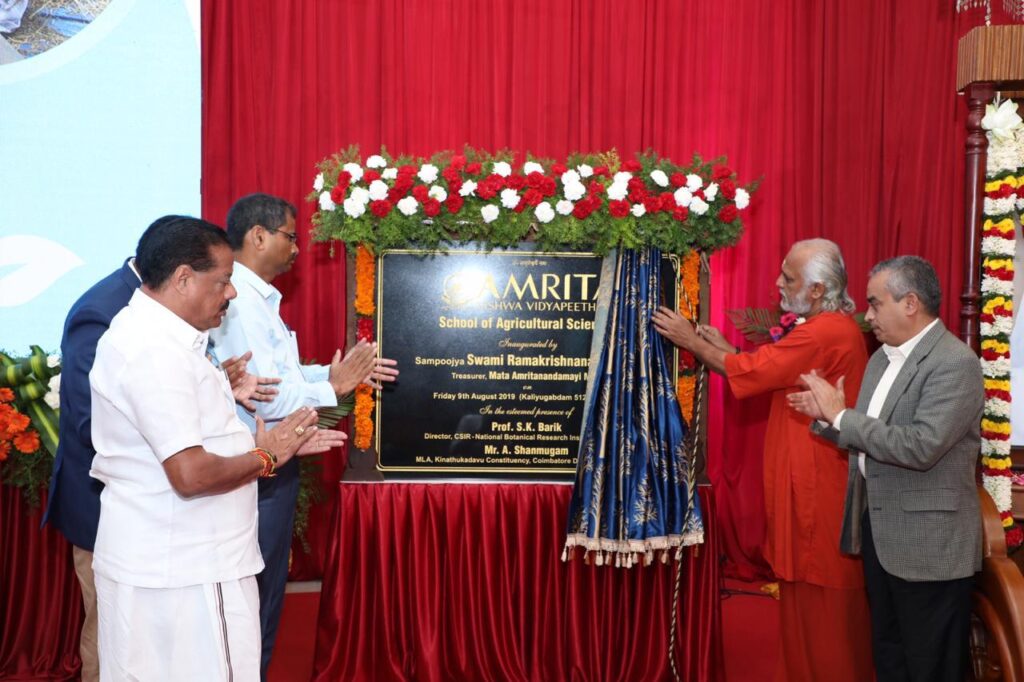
x=366, y=276
x=689, y=303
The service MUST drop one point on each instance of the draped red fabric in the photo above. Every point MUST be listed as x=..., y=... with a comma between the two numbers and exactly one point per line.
x=40, y=603
x=845, y=109
x=465, y=582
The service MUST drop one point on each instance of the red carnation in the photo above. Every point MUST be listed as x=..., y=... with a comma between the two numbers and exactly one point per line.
x=581, y=210
x=720, y=173
x=631, y=166
x=421, y=192
x=1014, y=536
x=451, y=174
x=652, y=204
x=635, y=183
x=668, y=201
x=618, y=209
x=602, y=170
x=532, y=197
x=728, y=213
x=549, y=187
x=677, y=179
x=380, y=208
x=595, y=187
x=458, y=161
x=520, y=207
x=473, y=168
x=727, y=188
x=454, y=203
x=516, y=182
x=364, y=329
x=681, y=213
x=338, y=194
x=394, y=194
x=487, y=188
x=370, y=175
x=558, y=169
x=638, y=195
x=344, y=179
x=535, y=180
x=407, y=170
x=431, y=207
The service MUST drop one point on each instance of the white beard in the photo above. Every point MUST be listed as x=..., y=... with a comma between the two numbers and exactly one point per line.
x=798, y=305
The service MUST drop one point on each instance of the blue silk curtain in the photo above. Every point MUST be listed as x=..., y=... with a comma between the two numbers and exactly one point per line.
x=635, y=491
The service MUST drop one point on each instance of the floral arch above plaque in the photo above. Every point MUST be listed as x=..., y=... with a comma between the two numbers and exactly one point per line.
x=593, y=202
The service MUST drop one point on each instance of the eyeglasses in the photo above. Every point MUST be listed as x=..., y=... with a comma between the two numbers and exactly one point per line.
x=290, y=236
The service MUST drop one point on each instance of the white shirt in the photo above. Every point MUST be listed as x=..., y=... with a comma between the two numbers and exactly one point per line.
x=154, y=394
x=897, y=358
x=253, y=323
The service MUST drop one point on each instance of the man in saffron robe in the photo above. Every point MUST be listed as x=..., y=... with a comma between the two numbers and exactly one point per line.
x=824, y=620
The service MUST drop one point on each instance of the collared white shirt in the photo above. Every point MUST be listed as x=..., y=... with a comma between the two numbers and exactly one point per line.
x=897, y=358
x=154, y=394
x=253, y=323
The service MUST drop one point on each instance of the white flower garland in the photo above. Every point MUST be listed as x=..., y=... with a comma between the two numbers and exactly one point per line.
x=1004, y=193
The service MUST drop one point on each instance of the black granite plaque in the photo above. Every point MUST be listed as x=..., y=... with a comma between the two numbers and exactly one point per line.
x=494, y=350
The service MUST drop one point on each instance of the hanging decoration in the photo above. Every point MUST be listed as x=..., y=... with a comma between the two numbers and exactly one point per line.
x=1004, y=197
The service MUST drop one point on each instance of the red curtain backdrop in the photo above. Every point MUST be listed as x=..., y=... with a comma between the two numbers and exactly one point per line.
x=845, y=109
x=437, y=582
x=40, y=602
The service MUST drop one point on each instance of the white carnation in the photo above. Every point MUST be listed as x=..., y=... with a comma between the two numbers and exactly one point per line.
x=683, y=197
x=585, y=170
x=544, y=212
x=53, y=361
x=994, y=285
x=509, y=198
x=575, y=191
x=353, y=207
x=742, y=199
x=564, y=207
x=622, y=176
x=318, y=182
x=428, y=173
x=659, y=177
x=693, y=182
x=997, y=246
x=638, y=210
x=360, y=194
x=467, y=189
x=489, y=213
x=502, y=168
x=353, y=169
x=52, y=397
x=389, y=173
x=999, y=206
x=437, y=192
x=698, y=206
x=617, y=191
x=376, y=161
x=532, y=167
x=326, y=203
x=407, y=206
x=570, y=177
x=378, y=190
x=711, y=192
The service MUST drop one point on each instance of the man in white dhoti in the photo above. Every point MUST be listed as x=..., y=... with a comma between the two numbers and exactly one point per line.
x=176, y=550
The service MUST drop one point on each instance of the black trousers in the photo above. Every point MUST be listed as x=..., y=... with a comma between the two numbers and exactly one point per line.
x=919, y=630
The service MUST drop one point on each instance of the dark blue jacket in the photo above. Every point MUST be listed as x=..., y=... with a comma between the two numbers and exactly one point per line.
x=74, y=501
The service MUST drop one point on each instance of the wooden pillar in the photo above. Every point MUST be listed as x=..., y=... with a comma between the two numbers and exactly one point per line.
x=978, y=95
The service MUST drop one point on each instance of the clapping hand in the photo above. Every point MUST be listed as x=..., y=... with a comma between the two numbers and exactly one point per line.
x=288, y=435
x=822, y=400
x=246, y=388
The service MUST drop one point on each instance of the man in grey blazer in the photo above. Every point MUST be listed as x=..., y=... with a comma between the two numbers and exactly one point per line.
x=911, y=502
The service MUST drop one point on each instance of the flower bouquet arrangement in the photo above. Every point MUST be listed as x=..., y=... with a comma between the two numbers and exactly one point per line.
x=589, y=201
x=29, y=403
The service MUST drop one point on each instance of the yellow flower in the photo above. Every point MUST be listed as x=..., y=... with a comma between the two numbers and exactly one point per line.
x=998, y=384
x=996, y=346
x=995, y=427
